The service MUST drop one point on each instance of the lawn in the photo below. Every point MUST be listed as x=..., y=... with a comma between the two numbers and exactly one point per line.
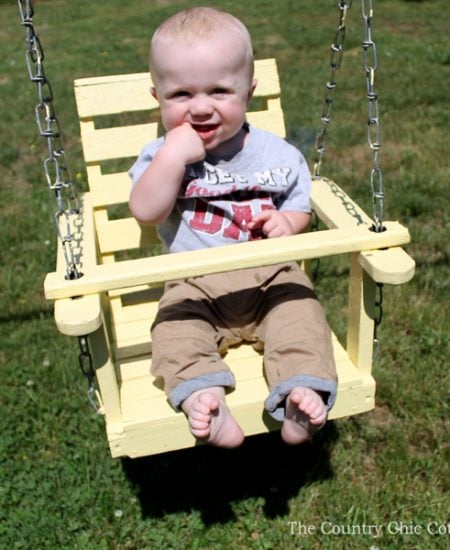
x=378, y=480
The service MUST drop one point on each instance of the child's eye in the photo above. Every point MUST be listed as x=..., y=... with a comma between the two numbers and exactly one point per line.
x=220, y=91
x=179, y=94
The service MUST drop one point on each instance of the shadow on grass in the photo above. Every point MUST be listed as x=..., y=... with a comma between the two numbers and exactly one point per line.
x=209, y=480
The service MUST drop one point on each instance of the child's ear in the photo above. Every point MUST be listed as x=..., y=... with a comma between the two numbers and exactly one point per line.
x=252, y=90
x=154, y=92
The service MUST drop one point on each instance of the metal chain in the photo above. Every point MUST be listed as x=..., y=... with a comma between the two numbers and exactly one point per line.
x=378, y=317
x=373, y=125
x=373, y=120
x=337, y=52
x=87, y=368
x=373, y=131
x=349, y=205
x=56, y=168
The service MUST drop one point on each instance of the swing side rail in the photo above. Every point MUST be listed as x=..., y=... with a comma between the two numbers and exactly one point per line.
x=93, y=304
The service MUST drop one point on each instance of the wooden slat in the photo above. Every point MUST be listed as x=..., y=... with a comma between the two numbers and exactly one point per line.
x=272, y=121
x=105, y=95
x=266, y=73
x=118, y=142
x=334, y=207
x=109, y=189
x=124, y=234
x=228, y=258
x=106, y=375
x=151, y=426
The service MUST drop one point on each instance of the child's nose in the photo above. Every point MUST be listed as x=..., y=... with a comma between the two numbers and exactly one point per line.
x=201, y=106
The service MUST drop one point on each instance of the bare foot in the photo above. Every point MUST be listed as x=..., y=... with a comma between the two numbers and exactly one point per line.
x=305, y=415
x=210, y=419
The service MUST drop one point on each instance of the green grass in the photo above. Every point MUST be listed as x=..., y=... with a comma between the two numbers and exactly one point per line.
x=59, y=488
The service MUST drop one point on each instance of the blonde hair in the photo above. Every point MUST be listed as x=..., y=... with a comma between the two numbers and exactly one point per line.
x=193, y=25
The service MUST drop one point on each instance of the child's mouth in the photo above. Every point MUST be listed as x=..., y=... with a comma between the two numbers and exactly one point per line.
x=205, y=131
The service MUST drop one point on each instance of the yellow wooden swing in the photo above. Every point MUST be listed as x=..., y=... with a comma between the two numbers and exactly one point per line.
x=114, y=300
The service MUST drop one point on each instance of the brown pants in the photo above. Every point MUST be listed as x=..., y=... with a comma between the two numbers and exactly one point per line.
x=274, y=308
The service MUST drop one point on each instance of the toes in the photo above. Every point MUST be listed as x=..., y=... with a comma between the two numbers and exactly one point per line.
x=297, y=395
x=308, y=402
x=318, y=416
x=202, y=411
x=207, y=402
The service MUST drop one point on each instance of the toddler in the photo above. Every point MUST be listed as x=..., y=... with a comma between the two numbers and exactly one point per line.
x=214, y=180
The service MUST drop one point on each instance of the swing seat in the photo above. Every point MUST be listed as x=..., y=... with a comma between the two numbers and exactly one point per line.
x=116, y=299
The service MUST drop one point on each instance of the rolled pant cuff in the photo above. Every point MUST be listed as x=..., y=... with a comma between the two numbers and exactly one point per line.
x=184, y=389
x=274, y=404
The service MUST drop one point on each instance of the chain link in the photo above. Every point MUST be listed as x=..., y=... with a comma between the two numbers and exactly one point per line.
x=373, y=119
x=56, y=168
x=337, y=52
x=87, y=368
x=378, y=317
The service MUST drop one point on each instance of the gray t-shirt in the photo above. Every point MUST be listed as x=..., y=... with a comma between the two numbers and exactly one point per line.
x=218, y=198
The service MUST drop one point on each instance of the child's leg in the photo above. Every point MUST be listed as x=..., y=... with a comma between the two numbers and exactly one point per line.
x=210, y=418
x=187, y=344
x=305, y=414
x=298, y=356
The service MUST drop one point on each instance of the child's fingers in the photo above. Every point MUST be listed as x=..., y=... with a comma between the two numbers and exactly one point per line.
x=260, y=219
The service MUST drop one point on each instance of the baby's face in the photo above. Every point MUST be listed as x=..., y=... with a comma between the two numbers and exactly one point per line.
x=208, y=85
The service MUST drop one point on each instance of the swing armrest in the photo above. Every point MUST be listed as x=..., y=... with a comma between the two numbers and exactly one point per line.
x=156, y=270
x=393, y=266
x=80, y=315
x=337, y=210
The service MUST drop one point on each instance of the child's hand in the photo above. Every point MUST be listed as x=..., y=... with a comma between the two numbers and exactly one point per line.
x=272, y=223
x=186, y=143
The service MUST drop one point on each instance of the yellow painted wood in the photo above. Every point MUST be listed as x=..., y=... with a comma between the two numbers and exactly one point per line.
x=118, y=142
x=124, y=234
x=228, y=258
x=78, y=316
x=151, y=426
x=106, y=375
x=360, y=325
x=109, y=189
x=334, y=207
x=115, y=94
x=272, y=121
x=105, y=95
x=391, y=266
